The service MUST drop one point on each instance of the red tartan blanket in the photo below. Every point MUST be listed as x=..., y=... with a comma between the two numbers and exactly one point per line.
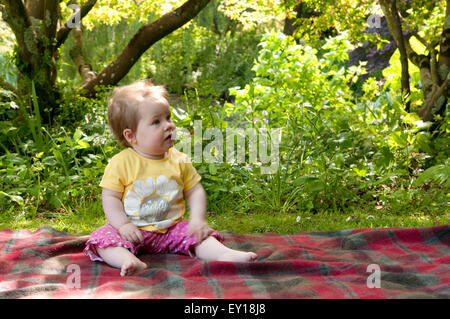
x=358, y=263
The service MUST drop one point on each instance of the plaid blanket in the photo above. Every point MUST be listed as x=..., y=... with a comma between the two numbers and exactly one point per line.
x=358, y=263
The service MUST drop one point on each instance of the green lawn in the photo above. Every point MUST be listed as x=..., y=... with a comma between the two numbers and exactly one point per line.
x=88, y=218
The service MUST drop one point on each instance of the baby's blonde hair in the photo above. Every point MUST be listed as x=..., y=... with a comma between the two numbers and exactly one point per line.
x=123, y=107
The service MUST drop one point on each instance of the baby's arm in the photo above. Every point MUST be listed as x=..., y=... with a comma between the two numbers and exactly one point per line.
x=196, y=199
x=116, y=216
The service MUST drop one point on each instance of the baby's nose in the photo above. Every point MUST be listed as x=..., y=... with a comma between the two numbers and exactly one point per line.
x=170, y=125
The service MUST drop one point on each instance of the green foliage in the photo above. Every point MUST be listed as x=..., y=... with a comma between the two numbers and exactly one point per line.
x=112, y=12
x=203, y=59
x=53, y=171
x=292, y=82
x=254, y=15
x=336, y=150
x=392, y=75
x=7, y=69
x=207, y=54
x=346, y=159
x=321, y=18
x=301, y=92
x=438, y=173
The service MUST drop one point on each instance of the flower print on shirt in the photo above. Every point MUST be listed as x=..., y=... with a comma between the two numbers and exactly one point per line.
x=153, y=202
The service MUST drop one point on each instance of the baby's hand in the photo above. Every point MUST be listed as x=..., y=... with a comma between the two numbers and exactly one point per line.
x=199, y=228
x=131, y=233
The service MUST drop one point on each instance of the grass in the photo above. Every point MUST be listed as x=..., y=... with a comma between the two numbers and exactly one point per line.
x=290, y=223
x=83, y=220
x=87, y=218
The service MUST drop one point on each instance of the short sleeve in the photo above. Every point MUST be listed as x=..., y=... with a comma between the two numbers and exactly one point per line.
x=190, y=175
x=113, y=178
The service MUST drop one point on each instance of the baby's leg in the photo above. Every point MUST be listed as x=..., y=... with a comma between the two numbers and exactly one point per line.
x=120, y=257
x=212, y=249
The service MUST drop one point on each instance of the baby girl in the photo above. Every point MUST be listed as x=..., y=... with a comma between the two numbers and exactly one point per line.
x=144, y=188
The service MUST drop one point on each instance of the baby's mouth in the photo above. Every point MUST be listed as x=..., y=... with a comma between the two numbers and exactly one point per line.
x=171, y=136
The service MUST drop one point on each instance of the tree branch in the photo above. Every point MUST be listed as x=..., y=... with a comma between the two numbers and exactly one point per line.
x=64, y=31
x=76, y=53
x=144, y=38
x=434, y=65
x=394, y=23
x=426, y=111
x=431, y=48
x=415, y=58
x=413, y=31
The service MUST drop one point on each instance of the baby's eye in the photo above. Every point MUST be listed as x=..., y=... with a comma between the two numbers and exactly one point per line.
x=169, y=117
x=155, y=122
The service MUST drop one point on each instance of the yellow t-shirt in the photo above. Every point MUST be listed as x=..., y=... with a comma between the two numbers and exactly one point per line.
x=152, y=189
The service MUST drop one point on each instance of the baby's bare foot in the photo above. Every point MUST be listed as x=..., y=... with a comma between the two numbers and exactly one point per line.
x=131, y=267
x=238, y=256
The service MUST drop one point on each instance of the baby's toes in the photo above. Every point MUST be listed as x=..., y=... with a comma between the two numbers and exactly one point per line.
x=252, y=256
x=131, y=267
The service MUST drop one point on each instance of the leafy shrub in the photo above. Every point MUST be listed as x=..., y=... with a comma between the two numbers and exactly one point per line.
x=307, y=95
x=337, y=150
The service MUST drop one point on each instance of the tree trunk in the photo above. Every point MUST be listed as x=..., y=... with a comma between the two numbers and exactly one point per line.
x=394, y=23
x=436, y=101
x=433, y=74
x=406, y=91
x=34, y=25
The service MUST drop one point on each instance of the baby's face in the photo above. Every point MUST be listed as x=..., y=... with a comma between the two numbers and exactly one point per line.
x=155, y=133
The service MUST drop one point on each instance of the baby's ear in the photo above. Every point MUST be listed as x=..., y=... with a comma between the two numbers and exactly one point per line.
x=129, y=136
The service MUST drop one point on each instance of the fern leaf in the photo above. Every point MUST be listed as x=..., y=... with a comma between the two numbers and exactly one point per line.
x=438, y=173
